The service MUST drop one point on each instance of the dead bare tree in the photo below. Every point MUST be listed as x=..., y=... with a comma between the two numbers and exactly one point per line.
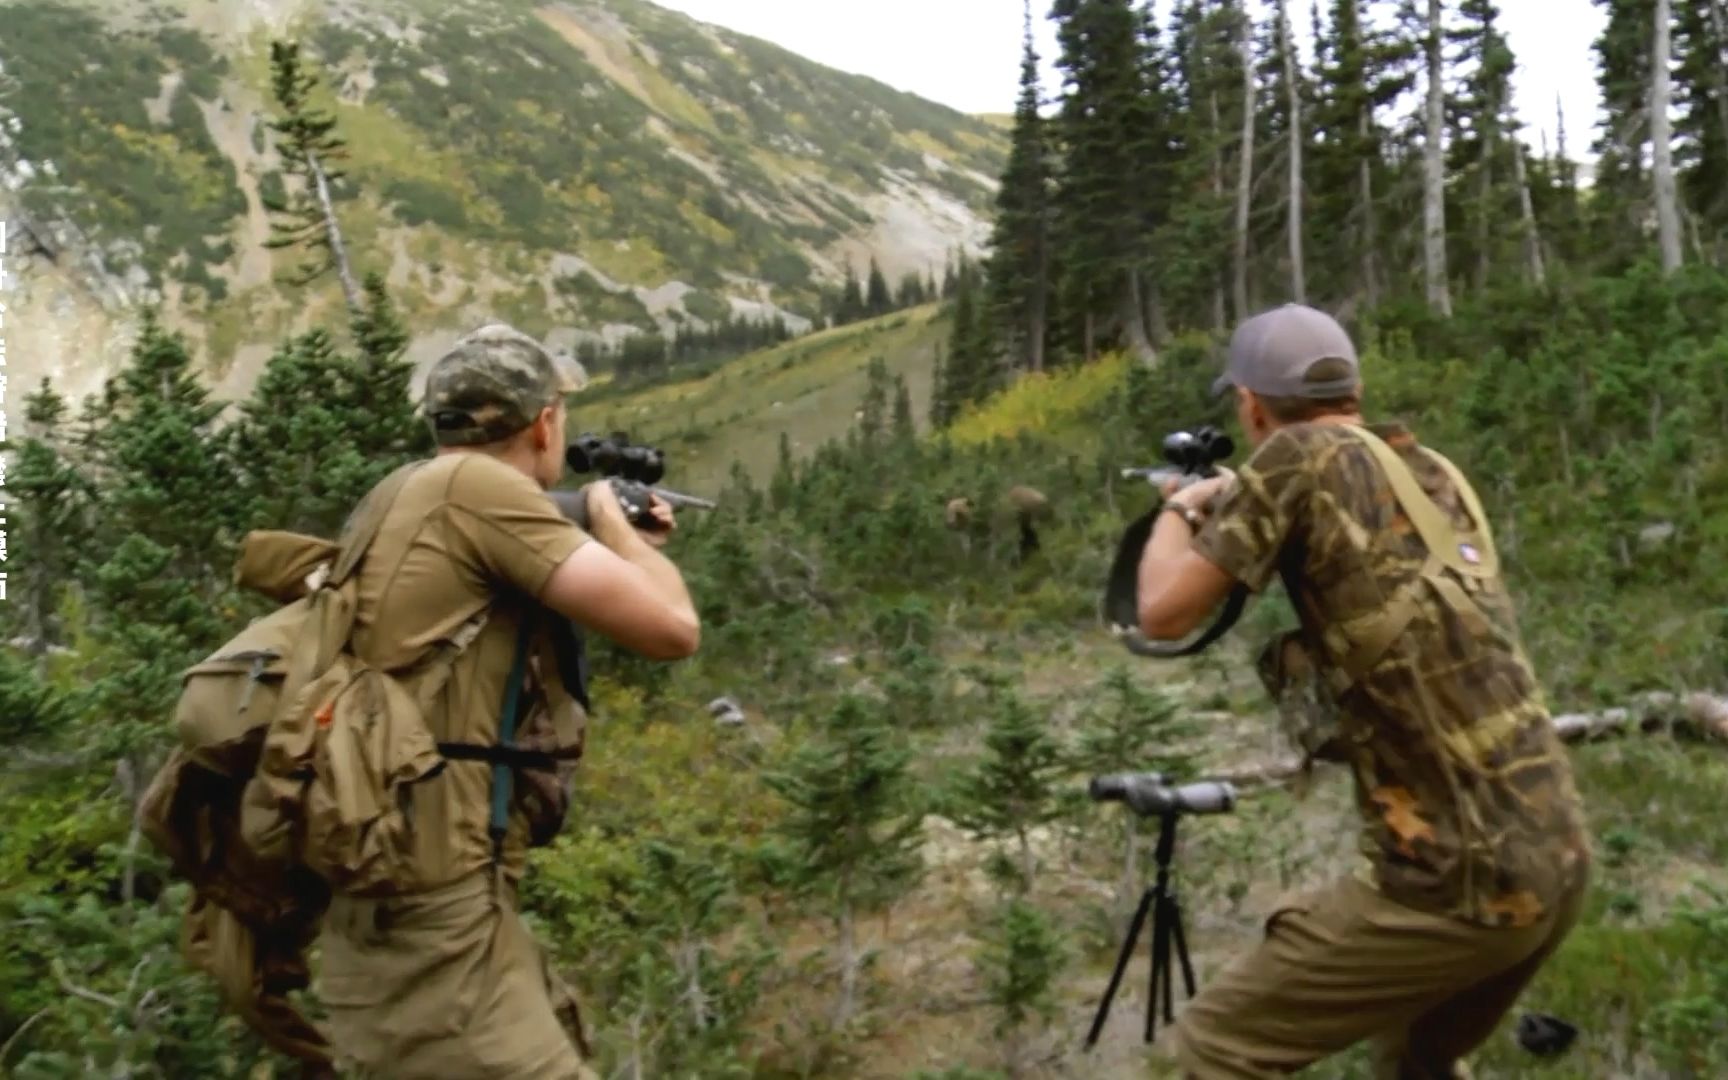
x=1245, y=167
x=1527, y=212
x=1662, y=140
x=1298, y=270
x=1434, y=169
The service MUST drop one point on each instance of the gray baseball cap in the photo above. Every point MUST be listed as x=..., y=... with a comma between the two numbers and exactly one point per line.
x=1273, y=353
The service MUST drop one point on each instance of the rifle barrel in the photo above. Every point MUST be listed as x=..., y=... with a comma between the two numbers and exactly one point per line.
x=679, y=501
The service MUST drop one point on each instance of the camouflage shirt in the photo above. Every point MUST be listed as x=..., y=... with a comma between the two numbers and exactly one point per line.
x=1465, y=790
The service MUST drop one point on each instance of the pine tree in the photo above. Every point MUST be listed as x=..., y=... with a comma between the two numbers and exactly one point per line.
x=851, y=306
x=849, y=824
x=968, y=372
x=904, y=429
x=1153, y=138
x=878, y=300
x=1479, y=159
x=943, y=407
x=1203, y=102
x=161, y=468
x=783, y=485
x=1019, y=267
x=1621, y=197
x=692, y=898
x=382, y=425
x=299, y=467
x=1102, y=237
x=1021, y=959
x=1361, y=71
x=873, y=411
x=1011, y=790
x=157, y=569
x=307, y=143
x=1701, y=91
x=1130, y=728
x=911, y=292
x=54, y=503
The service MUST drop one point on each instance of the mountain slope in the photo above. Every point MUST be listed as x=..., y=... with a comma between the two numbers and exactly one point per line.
x=806, y=389
x=582, y=167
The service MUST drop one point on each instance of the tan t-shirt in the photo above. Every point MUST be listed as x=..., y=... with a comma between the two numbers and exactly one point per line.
x=467, y=533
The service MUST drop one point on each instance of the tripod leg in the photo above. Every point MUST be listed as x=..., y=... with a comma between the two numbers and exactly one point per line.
x=1181, y=945
x=1159, y=979
x=1121, y=966
x=1172, y=921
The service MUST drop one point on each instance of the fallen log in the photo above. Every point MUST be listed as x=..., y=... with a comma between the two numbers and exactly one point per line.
x=1694, y=716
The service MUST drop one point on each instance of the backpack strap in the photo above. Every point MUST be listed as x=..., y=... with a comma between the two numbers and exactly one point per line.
x=1369, y=638
x=367, y=518
x=1431, y=522
x=440, y=664
x=501, y=775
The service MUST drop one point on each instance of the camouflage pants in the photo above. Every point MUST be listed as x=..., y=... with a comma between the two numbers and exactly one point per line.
x=1344, y=965
x=448, y=985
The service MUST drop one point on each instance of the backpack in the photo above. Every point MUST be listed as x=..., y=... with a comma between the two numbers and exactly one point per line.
x=1458, y=567
x=293, y=770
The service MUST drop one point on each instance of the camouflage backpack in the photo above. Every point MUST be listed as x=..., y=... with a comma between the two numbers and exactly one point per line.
x=1458, y=566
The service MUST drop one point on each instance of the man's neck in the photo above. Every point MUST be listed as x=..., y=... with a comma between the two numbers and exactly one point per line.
x=515, y=458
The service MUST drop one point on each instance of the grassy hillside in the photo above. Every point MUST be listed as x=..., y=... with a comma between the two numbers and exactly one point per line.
x=583, y=168
x=807, y=390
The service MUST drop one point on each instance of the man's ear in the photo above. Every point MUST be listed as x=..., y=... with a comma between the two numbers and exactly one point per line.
x=1253, y=412
x=545, y=427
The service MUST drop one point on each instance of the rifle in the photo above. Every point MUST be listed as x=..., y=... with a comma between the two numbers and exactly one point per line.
x=634, y=471
x=1192, y=457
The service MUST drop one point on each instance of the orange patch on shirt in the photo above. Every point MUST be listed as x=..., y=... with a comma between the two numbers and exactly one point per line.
x=1520, y=908
x=1399, y=809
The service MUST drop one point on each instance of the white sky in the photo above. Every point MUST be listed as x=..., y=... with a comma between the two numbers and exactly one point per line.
x=966, y=53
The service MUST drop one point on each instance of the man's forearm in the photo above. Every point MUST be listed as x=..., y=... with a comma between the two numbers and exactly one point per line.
x=665, y=575
x=662, y=573
x=1171, y=536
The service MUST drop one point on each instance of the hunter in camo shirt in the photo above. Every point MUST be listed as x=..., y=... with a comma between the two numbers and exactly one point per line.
x=1476, y=851
x=1466, y=792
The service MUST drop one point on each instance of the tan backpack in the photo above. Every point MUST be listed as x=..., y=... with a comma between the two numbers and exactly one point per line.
x=290, y=776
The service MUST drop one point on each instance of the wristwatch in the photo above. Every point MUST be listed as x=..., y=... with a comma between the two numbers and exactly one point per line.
x=1193, y=517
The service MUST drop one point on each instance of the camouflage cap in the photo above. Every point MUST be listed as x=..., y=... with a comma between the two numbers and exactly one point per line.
x=490, y=386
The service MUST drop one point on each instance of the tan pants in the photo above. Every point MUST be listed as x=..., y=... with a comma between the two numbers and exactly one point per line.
x=1344, y=964
x=446, y=985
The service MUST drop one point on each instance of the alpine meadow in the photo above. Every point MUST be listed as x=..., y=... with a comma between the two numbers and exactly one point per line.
x=908, y=353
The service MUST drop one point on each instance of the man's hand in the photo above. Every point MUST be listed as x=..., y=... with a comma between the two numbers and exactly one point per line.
x=606, y=518
x=622, y=587
x=1178, y=586
x=1203, y=496
x=609, y=524
x=660, y=511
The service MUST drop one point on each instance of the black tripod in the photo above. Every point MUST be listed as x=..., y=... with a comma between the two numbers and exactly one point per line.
x=1166, y=911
